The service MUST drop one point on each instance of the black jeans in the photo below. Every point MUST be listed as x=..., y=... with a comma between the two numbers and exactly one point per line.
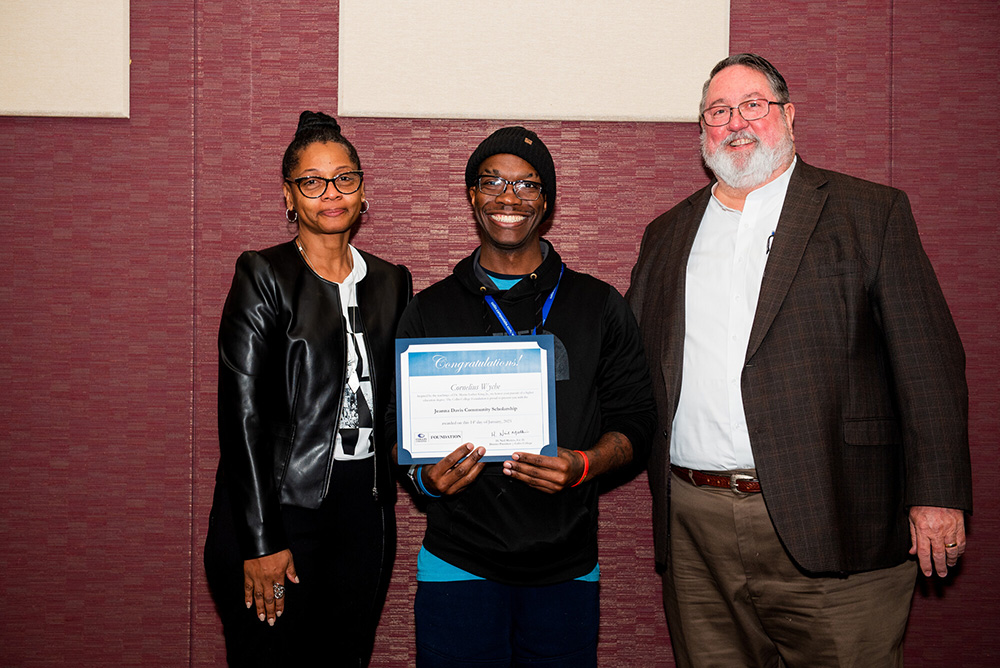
x=491, y=625
x=343, y=554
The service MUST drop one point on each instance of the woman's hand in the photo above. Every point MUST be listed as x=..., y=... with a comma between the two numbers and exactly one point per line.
x=263, y=578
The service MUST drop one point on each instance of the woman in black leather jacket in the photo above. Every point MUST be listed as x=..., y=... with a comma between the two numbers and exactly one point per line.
x=302, y=533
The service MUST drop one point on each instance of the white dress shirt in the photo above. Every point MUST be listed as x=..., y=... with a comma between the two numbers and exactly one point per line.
x=724, y=274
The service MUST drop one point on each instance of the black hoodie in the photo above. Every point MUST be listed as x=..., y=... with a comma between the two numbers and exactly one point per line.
x=500, y=528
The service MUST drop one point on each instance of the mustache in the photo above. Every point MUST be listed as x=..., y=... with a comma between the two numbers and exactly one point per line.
x=739, y=134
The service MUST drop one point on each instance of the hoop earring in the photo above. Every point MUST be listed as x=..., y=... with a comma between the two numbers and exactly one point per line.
x=367, y=205
x=292, y=219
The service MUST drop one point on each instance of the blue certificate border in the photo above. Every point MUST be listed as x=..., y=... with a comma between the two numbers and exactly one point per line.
x=545, y=342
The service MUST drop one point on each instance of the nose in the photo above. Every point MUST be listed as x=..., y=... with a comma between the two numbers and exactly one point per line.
x=508, y=195
x=736, y=121
x=331, y=192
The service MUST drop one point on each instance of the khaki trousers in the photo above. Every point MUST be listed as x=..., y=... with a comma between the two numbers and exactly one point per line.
x=733, y=596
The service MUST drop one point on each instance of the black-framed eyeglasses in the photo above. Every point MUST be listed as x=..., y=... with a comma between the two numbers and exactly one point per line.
x=750, y=110
x=495, y=186
x=315, y=187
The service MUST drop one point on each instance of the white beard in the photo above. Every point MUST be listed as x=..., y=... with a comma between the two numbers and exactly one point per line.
x=742, y=173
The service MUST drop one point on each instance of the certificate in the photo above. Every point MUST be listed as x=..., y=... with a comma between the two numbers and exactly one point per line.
x=491, y=391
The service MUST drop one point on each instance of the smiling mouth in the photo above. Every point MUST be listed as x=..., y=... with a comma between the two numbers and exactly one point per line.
x=741, y=141
x=508, y=218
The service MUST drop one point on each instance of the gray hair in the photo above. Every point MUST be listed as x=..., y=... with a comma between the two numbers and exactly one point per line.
x=754, y=62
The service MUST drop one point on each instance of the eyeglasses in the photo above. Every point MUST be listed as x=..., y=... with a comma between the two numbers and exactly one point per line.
x=750, y=110
x=496, y=186
x=315, y=187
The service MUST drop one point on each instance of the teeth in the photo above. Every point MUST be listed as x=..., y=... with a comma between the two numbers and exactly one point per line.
x=741, y=142
x=507, y=219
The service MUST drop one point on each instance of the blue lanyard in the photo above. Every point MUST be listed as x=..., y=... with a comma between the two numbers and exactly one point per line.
x=545, y=307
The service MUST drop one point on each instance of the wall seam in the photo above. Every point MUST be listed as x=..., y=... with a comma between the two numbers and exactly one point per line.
x=192, y=575
x=892, y=91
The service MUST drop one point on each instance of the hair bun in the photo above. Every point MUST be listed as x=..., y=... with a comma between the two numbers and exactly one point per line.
x=316, y=119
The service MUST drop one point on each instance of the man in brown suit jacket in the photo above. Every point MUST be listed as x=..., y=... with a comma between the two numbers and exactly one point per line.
x=812, y=399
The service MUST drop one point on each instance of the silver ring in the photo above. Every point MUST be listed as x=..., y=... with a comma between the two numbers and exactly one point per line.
x=279, y=590
x=950, y=545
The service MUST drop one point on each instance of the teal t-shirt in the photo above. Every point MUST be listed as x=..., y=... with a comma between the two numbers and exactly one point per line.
x=435, y=569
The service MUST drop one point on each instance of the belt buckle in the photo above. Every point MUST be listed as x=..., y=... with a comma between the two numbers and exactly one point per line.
x=734, y=481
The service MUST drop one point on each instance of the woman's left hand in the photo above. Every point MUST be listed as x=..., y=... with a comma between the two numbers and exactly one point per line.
x=264, y=579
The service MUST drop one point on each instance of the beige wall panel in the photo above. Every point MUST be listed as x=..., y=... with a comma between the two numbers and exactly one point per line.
x=638, y=60
x=64, y=58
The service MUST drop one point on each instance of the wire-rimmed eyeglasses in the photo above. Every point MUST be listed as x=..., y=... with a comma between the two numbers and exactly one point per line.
x=495, y=186
x=750, y=110
x=314, y=187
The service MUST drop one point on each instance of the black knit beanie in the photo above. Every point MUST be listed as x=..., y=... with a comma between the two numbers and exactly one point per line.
x=526, y=145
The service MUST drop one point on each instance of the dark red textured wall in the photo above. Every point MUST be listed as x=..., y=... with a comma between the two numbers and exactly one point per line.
x=119, y=238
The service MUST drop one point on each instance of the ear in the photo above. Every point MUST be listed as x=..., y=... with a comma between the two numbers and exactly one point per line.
x=472, y=194
x=790, y=118
x=289, y=198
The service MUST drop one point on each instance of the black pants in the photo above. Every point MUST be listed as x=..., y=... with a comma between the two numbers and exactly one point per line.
x=343, y=554
x=491, y=625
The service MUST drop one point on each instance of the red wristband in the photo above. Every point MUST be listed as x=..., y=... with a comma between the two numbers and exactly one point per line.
x=586, y=468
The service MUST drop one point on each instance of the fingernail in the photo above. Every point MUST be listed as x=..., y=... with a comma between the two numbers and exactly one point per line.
x=249, y=603
x=279, y=613
x=261, y=616
x=270, y=621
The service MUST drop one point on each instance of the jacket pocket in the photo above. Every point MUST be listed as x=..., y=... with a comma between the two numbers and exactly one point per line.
x=876, y=431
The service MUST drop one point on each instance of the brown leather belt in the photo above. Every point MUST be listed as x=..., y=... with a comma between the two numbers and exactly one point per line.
x=737, y=482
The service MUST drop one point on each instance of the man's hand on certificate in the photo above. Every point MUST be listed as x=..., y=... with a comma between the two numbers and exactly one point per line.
x=455, y=472
x=571, y=467
x=548, y=474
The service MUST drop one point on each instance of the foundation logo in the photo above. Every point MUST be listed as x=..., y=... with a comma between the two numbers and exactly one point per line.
x=421, y=437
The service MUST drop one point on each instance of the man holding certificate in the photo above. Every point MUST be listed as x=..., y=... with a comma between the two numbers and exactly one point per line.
x=508, y=569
